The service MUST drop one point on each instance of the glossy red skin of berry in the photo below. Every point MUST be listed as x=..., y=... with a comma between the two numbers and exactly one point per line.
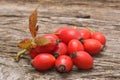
x=49, y=47
x=60, y=50
x=43, y=61
x=69, y=34
x=75, y=45
x=85, y=33
x=33, y=53
x=65, y=62
x=51, y=36
x=100, y=37
x=92, y=46
x=58, y=31
x=40, y=49
x=82, y=60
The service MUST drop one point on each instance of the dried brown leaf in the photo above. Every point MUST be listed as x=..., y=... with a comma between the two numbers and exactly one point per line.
x=42, y=41
x=32, y=23
x=25, y=44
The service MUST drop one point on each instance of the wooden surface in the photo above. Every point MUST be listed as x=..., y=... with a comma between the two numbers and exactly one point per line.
x=102, y=15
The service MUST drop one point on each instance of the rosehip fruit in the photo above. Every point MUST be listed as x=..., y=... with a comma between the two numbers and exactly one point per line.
x=85, y=33
x=51, y=36
x=43, y=61
x=100, y=37
x=92, y=46
x=82, y=60
x=67, y=35
x=58, y=31
x=50, y=46
x=63, y=63
x=33, y=53
x=75, y=45
x=60, y=50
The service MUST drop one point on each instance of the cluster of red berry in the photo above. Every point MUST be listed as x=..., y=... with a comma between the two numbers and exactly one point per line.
x=67, y=47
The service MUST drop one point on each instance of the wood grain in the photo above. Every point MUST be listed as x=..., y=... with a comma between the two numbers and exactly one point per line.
x=102, y=15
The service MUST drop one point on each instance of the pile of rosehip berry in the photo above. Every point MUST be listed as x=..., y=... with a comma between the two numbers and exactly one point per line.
x=66, y=47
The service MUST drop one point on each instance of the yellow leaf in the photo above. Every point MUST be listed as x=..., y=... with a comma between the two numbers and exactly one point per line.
x=42, y=41
x=25, y=44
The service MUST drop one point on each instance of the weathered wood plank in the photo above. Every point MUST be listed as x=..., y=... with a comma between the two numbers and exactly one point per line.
x=14, y=27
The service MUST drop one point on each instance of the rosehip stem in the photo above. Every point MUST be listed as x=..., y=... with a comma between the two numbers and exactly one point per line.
x=73, y=55
x=17, y=58
x=81, y=40
x=74, y=27
x=56, y=55
x=56, y=34
x=90, y=29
